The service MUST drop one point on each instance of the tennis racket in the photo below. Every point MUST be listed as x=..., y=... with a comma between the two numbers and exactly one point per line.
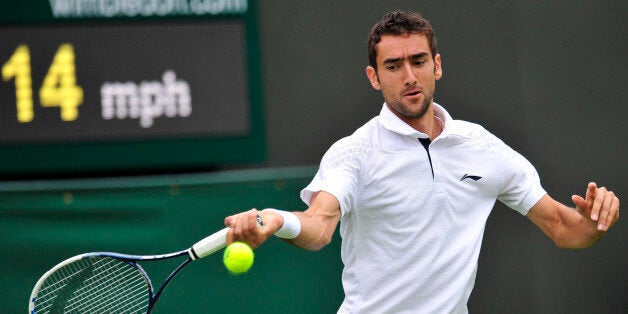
x=106, y=282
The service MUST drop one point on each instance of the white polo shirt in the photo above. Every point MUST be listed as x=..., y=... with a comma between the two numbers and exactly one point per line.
x=411, y=239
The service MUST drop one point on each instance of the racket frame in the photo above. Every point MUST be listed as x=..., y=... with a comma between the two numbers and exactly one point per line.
x=132, y=260
x=200, y=249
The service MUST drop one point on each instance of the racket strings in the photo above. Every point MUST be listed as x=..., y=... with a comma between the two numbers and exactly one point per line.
x=94, y=285
x=101, y=286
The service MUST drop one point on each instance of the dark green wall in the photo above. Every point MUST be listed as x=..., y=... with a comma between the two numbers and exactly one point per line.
x=45, y=222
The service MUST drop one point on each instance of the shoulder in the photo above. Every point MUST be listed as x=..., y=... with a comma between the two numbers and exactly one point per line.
x=484, y=143
x=475, y=135
x=349, y=148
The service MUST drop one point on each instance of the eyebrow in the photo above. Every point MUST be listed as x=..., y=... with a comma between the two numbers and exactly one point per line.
x=412, y=57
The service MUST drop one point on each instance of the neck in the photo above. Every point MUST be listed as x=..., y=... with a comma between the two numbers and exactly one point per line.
x=428, y=123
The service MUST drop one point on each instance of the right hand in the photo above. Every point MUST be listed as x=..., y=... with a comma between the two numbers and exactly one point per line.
x=244, y=226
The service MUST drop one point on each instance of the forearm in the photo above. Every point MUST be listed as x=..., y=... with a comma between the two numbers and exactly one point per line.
x=565, y=226
x=575, y=231
x=310, y=230
x=318, y=222
x=316, y=230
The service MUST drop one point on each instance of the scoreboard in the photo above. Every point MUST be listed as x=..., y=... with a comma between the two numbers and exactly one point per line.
x=94, y=86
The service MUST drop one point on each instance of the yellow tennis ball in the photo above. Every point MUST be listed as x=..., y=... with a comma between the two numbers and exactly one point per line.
x=238, y=257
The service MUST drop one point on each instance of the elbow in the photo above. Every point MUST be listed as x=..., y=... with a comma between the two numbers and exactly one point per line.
x=314, y=244
x=318, y=232
x=322, y=241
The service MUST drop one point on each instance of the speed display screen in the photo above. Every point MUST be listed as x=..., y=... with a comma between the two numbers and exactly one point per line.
x=94, y=83
x=169, y=93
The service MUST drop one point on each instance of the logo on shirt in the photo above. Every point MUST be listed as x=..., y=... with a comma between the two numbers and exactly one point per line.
x=468, y=176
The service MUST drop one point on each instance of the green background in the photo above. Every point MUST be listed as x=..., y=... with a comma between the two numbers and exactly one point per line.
x=45, y=222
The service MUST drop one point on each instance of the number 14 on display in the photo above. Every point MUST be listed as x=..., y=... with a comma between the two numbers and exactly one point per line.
x=59, y=88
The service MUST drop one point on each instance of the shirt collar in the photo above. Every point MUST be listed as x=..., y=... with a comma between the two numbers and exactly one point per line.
x=392, y=123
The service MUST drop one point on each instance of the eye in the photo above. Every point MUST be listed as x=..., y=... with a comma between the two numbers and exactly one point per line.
x=391, y=67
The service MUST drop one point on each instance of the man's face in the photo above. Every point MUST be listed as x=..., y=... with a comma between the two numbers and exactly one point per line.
x=406, y=74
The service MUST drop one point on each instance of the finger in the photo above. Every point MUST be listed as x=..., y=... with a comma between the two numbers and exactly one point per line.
x=229, y=236
x=595, y=198
x=243, y=221
x=249, y=225
x=605, y=204
x=590, y=195
x=613, y=212
x=249, y=228
x=229, y=221
x=598, y=202
x=237, y=227
x=580, y=202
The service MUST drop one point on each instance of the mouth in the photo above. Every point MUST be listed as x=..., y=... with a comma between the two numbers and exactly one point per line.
x=412, y=93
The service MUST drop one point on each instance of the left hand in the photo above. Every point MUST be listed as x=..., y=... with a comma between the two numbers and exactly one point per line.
x=600, y=205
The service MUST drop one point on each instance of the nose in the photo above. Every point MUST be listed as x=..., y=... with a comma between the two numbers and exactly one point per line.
x=409, y=78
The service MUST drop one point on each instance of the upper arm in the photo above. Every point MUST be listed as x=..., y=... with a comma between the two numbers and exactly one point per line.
x=324, y=203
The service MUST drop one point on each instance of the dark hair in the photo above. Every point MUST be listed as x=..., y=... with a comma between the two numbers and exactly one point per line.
x=399, y=23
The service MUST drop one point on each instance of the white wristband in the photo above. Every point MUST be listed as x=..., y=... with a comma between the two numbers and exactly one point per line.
x=291, y=224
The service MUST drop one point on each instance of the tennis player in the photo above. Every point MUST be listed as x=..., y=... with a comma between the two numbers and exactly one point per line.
x=413, y=188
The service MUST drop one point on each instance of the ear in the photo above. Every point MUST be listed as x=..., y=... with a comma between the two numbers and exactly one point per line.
x=438, y=69
x=372, y=76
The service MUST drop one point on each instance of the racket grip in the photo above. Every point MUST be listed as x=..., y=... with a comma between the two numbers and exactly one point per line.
x=209, y=245
x=214, y=242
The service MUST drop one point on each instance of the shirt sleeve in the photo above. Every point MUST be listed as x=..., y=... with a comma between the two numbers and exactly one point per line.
x=339, y=173
x=521, y=186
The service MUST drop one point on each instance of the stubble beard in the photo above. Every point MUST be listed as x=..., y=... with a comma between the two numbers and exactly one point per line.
x=407, y=113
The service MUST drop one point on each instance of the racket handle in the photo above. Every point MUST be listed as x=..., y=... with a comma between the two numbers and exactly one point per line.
x=214, y=242
x=209, y=245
